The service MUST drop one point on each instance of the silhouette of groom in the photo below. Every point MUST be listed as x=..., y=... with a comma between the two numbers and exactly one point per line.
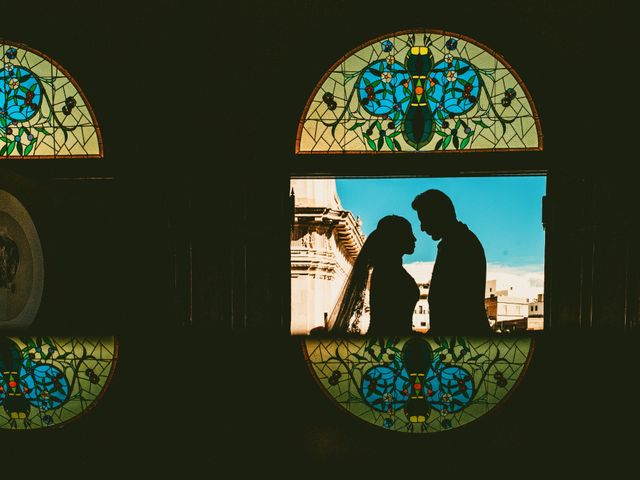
x=456, y=293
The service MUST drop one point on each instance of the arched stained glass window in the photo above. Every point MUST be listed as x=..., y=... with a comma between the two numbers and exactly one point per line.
x=43, y=112
x=423, y=91
x=420, y=384
x=48, y=381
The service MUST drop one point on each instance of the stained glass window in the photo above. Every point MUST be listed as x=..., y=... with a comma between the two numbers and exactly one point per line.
x=47, y=381
x=419, y=91
x=43, y=112
x=419, y=384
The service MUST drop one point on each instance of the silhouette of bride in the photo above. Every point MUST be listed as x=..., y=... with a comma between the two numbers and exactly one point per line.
x=393, y=293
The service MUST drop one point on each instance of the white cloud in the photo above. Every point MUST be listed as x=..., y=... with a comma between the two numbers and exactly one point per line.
x=527, y=281
x=420, y=271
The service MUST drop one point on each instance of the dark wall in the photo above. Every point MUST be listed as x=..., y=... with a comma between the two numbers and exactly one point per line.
x=199, y=107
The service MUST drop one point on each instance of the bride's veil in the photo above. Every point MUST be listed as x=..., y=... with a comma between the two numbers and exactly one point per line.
x=350, y=302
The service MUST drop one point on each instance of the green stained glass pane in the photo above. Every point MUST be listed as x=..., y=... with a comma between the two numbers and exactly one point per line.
x=407, y=91
x=419, y=384
x=48, y=381
x=43, y=112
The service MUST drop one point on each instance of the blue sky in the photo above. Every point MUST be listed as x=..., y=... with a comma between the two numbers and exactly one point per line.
x=504, y=212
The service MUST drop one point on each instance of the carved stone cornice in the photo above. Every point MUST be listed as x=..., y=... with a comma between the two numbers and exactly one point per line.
x=328, y=221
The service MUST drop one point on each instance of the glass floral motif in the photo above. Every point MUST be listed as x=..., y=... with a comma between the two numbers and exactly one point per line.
x=420, y=384
x=43, y=113
x=419, y=91
x=47, y=381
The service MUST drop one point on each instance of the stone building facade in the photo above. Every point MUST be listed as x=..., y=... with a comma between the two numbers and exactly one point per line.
x=421, y=312
x=325, y=241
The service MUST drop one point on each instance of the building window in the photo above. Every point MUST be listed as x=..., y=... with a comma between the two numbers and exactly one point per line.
x=404, y=95
x=334, y=216
x=369, y=102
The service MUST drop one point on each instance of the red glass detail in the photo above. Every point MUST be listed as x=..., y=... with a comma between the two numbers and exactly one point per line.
x=12, y=384
x=417, y=386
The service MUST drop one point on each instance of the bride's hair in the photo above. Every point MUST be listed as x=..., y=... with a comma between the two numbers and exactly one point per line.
x=376, y=248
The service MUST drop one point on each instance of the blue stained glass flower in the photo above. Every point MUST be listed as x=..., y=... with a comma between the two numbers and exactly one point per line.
x=384, y=388
x=446, y=424
x=47, y=387
x=452, y=388
x=456, y=87
x=451, y=44
x=11, y=53
x=387, y=46
x=20, y=94
x=388, y=422
x=383, y=88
